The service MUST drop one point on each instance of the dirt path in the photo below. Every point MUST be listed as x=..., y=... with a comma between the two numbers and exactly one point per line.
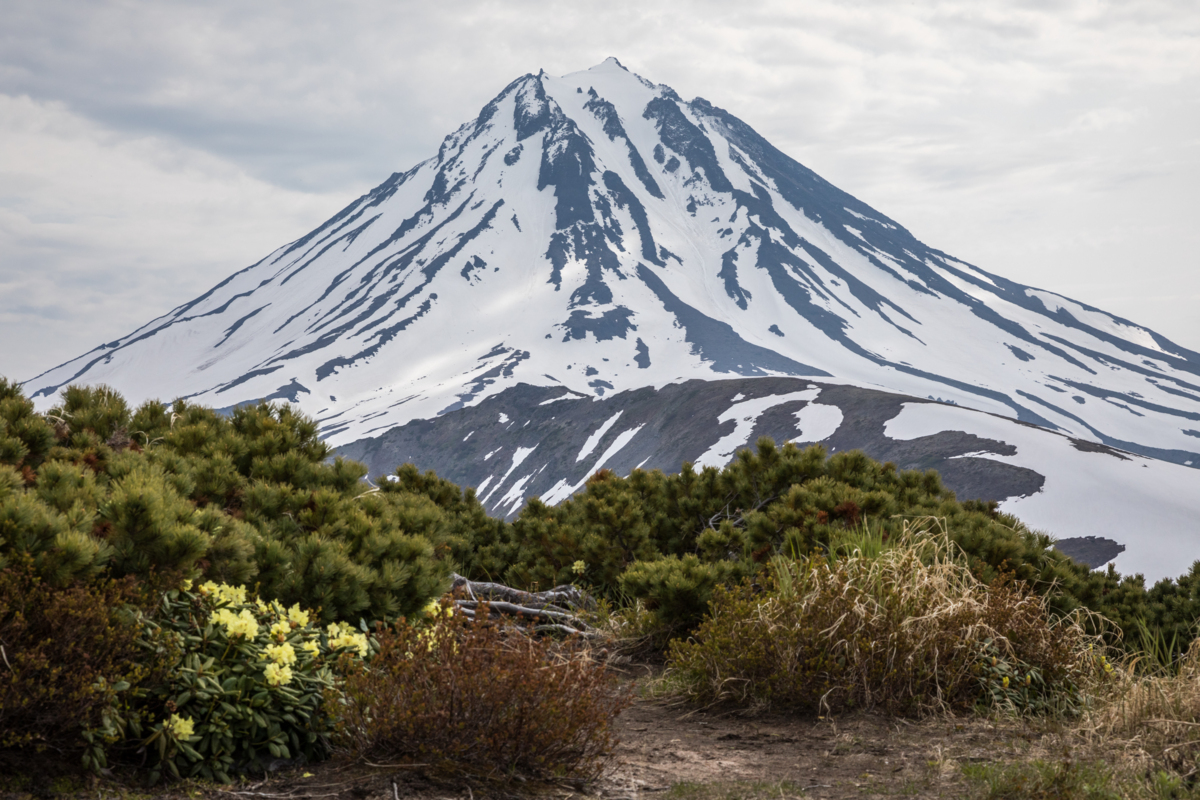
x=667, y=752
x=854, y=756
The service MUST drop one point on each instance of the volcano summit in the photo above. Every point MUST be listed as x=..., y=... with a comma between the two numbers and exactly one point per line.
x=596, y=240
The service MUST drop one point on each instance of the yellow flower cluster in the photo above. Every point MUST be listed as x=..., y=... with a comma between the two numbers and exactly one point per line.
x=283, y=654
x=179, y=727
x=298, y=616
x=241, y=624
x=343, y=636
x=280, y=630
x=579, y=567
x=434, y=609
x=233, y=595
x=277, y=674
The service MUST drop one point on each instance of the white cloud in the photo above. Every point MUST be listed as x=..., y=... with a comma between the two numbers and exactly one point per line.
x=102, y=232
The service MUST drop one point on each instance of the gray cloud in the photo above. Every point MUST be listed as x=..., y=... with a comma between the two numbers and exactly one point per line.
x=149, y=149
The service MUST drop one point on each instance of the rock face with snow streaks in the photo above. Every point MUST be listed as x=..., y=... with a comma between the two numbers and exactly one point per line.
x=598, y=235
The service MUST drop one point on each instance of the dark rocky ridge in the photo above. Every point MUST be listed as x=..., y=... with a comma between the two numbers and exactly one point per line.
x=679, y=424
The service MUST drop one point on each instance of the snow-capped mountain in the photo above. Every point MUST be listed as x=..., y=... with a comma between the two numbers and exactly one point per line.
x=598, y=234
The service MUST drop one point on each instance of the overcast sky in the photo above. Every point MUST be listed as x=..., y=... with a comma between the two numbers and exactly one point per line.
x=148, y=150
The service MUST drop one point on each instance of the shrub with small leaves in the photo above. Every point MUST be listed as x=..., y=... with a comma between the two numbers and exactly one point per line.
x=69, y=658
x=480, y=701
x=248, y=688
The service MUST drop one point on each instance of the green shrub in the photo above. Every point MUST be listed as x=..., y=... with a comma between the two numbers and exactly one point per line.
x=474, y=700
x=70, y=661
x=93, y=488
x=248, y=685
x=677, y=590
x=768, y=501
x=908, y=631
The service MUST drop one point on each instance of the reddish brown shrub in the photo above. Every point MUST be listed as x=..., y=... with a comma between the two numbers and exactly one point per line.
x=68, y=653
x=478, y=701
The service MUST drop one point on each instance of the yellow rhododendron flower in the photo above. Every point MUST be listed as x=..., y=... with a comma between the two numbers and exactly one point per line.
x=236, y=595
x=179, y=727
x=350, y=641
x=297, y=615
x=434, y=609
x=186, y=585
x=277, y=675
x=233, y=595
x=241, y=624
x=281, y=653
x=263, y=607
x=280, y=630
x=579, y=567
x=312, y=647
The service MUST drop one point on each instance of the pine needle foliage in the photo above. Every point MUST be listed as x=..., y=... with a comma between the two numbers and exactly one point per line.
x=95, y=488
x=668, y=540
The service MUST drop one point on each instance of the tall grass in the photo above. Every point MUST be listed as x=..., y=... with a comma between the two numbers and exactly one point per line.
x=902, y=626
x=1152, y=709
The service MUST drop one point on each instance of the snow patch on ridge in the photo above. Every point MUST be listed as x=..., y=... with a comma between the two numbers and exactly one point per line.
x=1096, y=319
x=816, y=422
x=563, y=489
x=595, y=438
x=744, y=415
x=519, y=456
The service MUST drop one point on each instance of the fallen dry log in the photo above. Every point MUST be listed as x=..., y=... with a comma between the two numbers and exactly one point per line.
x=553, y=611
x=567, y=595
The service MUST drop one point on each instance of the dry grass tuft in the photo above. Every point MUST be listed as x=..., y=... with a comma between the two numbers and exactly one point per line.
x=1155, y=718
x=906, y=630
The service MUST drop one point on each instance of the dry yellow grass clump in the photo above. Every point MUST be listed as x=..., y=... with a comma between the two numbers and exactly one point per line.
x=1152, y=713
x=905, y=628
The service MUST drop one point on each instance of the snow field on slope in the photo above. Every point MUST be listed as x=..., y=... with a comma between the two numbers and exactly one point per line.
x=1145, y=504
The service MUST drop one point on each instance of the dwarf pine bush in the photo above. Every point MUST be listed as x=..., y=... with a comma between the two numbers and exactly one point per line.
x=167, y=492
x=668, y=540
